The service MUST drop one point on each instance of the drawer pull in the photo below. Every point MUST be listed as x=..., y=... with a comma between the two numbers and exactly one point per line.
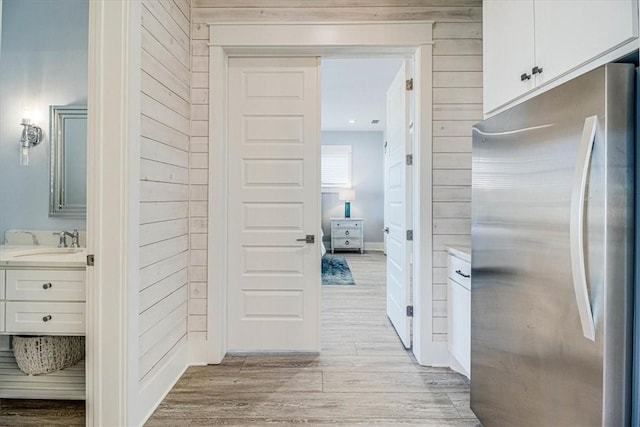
x=346, y=243
x=462, y=274
x=46, y=285
x=346, y=233
x=46, y=318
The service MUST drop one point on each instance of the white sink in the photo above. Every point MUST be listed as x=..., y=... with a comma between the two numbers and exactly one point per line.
x=46, y=251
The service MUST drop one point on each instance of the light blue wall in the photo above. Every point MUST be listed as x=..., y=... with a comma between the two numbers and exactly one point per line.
x=43, y=61
x=367, y=180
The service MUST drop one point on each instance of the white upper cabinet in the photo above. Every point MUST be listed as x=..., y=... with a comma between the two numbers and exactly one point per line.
x=570, y=33
x=548, y=39
x=508, y=50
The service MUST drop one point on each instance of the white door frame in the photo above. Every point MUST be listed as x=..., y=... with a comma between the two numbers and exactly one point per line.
x=411, y=38
x=113, y=184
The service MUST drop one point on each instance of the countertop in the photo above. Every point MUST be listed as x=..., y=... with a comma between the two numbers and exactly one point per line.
x=36, y=256
x=462, y=252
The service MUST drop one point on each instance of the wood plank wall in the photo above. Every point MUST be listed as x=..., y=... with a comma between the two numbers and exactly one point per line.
x=164, y=182
x=457, y=98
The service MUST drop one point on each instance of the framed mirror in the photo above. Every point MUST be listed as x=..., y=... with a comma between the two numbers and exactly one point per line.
x=68, y=135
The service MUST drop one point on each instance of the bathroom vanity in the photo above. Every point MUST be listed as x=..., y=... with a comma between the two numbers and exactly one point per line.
x=42, y=292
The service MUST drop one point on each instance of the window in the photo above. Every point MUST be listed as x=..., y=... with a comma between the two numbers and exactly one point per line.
x=336, y=167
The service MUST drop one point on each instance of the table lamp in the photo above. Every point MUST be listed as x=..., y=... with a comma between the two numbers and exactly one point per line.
x=347, y=195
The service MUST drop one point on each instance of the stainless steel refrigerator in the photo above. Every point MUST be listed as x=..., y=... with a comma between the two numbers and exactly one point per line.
x=552, y=256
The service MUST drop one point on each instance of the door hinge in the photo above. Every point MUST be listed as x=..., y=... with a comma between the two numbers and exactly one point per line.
x=91, y=259
x=409, y=311
x=409, y=234
x=409, y=159
x=409, y=84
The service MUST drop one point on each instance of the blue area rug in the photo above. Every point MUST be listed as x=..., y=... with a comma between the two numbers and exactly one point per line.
x=335, y=271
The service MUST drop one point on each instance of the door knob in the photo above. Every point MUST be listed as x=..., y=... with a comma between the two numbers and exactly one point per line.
x=310, y=238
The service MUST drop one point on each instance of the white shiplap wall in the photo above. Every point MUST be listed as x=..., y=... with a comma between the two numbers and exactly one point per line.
x=164, y=184
x=457, y=97
x=457, y=105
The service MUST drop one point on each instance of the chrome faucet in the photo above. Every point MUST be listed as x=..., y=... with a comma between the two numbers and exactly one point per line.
x=63, y=238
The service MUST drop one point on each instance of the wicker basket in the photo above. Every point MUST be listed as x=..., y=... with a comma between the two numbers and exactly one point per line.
x=37, y=355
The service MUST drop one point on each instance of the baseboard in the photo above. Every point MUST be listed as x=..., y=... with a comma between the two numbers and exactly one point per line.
x=155, y=389
x=457, y=366
x=197, y=353
x=374, y=246
x=368, y=246
x=441, y=354
x=437, y=355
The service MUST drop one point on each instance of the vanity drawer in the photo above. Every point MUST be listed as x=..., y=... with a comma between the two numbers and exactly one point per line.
x=46, y=285
x=45, y=317
x=460, y=271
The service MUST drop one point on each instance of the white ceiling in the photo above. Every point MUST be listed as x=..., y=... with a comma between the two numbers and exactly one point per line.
x=356, y=89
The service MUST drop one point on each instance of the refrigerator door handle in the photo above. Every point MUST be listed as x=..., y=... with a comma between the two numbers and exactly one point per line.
x=576, y=227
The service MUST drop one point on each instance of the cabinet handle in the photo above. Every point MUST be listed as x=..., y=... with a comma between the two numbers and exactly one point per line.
x=525, y=76
x=46, y=318
x=46, y=285
x=346, y=233
x=536, y=70
x=346, y=243
x=462, y=274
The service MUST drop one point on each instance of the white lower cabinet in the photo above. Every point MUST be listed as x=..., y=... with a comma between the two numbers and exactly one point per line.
x=41, y=302
x=459, y=314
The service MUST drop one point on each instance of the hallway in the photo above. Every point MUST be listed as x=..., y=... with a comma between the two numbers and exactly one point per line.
x=362, y=377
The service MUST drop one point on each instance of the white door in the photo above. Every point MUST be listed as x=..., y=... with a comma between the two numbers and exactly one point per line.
x=398, y=205
x=274, y=201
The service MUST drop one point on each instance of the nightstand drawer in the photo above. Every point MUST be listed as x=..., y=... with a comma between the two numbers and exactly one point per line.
x=349, y=233
x=343, y=243
x=346, y=223
x=45, y=317
x=45, y=285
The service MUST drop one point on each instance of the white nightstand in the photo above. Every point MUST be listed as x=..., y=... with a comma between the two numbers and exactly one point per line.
x=347, y=233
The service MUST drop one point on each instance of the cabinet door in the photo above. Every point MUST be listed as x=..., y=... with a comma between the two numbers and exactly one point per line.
x=508, y=50
x=460, y=344
x=570, y=33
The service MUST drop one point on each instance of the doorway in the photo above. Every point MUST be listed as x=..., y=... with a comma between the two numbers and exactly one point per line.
x=364, y=140
x=308, y=40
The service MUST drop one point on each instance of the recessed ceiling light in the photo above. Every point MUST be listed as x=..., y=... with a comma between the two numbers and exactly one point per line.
x=352, y=121
x=375, y=121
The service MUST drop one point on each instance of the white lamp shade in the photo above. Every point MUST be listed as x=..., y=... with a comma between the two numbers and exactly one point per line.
x=347, y=195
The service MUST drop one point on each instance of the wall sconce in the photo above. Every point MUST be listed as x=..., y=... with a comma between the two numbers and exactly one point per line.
x=31, y=136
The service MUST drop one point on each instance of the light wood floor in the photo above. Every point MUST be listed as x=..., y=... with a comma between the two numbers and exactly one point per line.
x=362, y=377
